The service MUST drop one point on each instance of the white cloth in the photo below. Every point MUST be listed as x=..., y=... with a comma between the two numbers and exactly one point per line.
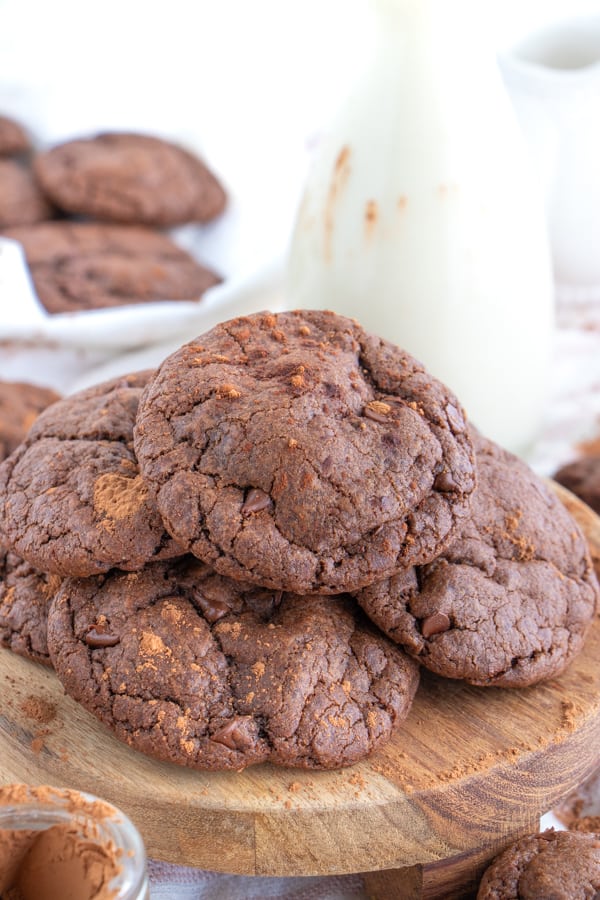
x=180, y=883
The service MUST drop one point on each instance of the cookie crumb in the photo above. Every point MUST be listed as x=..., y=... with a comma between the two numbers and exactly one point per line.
x=38, y=709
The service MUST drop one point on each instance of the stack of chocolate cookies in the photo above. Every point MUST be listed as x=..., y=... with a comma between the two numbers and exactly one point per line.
x=87, y=213
x=259, y=543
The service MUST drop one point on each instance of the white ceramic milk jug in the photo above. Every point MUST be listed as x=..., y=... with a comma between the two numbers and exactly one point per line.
x=553, y=76
x=420, y=217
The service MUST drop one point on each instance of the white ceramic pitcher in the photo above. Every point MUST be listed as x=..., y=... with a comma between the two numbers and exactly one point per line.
x=553, y=77
x=420, y=218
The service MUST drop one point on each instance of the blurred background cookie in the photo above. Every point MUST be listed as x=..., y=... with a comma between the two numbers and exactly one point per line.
x=80, y=266
x=21, y=200
x=130, y=178
x=13, y=138
x=553, y=865
x=582, y=477
x=20, y=405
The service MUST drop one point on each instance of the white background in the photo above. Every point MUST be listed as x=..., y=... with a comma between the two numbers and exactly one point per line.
x=248, y=83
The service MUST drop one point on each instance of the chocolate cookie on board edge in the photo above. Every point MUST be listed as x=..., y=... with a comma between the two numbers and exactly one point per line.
x=301, y=453
x=72, y=501
x=77, y=266
x=552, y=865
x=194, y=668
x=130, y=178
x=510, y=601
x=25, y=595
x=582, y=477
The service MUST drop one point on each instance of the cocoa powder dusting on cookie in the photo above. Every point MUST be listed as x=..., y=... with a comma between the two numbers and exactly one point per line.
x=118, y=497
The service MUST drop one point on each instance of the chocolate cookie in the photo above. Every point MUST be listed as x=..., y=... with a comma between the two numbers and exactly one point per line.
x=553, y=865
x=72, y=501
x=77, y=266
x=580, y=810
x=510, y=601
x=582, y=477
x=13, y=139
x=130, y=178
x=21, y=201
x=20, y=405
x=197, y=669
x=25, y=595
x=299, y=452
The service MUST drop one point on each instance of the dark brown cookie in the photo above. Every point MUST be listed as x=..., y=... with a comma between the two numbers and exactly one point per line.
x=20, y=405
x=582, y=477
x=130, y=178
x=553, y=865
x=510, y=601
x=25, y=595
x=580, y=810
x=21, y=201
x=299, y=452
x=77, y=266
x=13, y=139
x=194, y=668
x=72, y=501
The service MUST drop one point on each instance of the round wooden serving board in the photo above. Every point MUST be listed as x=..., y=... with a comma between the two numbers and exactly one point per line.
x=470, y=768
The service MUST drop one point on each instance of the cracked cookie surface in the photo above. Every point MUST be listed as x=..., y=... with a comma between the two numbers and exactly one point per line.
x=25, y=595
x=76, y=266
x=20, y=405
x=552, y=865
x=192, y=667
x=130, y=178
x=510, y=601
x=301, y=453
x=72, y=501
